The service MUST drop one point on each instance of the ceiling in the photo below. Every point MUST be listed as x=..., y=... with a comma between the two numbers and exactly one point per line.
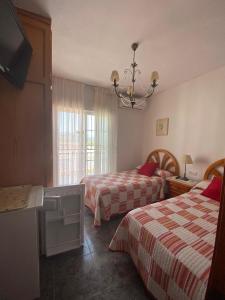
x=181, y=39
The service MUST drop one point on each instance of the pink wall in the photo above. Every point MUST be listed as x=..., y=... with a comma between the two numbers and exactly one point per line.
x=196, y=112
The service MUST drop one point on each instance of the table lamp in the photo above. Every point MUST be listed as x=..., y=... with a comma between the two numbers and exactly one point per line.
x=187, y=161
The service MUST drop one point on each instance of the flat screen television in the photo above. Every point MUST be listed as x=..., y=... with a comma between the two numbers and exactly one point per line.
x=15, y=49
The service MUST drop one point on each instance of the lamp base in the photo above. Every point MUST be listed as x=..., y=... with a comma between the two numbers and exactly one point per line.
x=184, y=178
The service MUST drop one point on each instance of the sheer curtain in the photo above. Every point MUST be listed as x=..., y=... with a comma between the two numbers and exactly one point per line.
x=105, y=108
x=84, y=131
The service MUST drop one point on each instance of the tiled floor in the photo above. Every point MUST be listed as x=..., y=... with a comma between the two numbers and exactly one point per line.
x=92, y=272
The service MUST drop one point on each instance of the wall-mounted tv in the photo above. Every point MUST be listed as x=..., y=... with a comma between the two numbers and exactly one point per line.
x=15, y=49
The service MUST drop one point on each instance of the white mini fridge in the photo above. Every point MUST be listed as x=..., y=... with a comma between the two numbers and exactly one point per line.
x=62, y=219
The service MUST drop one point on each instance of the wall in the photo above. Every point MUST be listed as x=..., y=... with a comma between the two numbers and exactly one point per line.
x=196, y=110
x=129, y=144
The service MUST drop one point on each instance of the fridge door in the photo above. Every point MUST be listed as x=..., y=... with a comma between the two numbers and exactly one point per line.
x=62, y=219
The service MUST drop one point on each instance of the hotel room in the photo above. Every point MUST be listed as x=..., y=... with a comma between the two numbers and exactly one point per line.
x=112, y=152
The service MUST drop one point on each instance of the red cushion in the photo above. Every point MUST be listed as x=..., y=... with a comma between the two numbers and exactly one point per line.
x=148, y=169
x=214, y=189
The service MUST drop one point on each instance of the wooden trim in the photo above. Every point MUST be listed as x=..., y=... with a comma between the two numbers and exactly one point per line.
x=32, y=15
x=213, y=169
x=166, y=160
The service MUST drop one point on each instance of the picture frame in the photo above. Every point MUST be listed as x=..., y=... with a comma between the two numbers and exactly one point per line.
x=162, y=126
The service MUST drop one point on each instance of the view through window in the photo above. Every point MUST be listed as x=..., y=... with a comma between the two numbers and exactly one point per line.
x=76, y=147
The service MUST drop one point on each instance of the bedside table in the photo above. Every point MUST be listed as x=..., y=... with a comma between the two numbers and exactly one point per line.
x=176, y=187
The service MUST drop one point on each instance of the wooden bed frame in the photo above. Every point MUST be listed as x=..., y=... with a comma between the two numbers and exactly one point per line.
x=215, y=169
x=216, y=287
x=166, y=161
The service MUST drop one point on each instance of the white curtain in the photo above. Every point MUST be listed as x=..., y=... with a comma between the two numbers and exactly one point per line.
x=84, y=131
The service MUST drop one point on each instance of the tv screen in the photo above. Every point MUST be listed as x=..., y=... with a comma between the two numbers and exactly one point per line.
x=15, y=49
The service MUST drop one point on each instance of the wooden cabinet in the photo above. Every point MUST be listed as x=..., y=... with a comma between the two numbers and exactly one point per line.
x=176, y=187
x=26, y=114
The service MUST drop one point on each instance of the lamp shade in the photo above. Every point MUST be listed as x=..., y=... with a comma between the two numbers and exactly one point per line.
x=187, y=159
x=115, y=76
x=154, y=76
x=130, y=91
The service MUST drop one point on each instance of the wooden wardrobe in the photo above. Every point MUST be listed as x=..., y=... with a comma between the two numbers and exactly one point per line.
x=216, y=285
x=26, y=114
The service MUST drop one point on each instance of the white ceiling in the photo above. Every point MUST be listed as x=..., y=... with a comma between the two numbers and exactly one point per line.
x=181, y=39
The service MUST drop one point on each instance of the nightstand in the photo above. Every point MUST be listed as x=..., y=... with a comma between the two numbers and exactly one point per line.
x=176, y=187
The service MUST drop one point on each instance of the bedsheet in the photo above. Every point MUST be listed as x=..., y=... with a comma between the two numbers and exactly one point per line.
x=171, y=243
x=117, y=193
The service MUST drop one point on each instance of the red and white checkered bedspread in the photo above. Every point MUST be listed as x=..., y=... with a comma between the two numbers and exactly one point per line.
x=171, y=243
x=117, y=193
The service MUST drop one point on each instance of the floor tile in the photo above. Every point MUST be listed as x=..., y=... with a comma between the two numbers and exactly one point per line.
x=92, y=272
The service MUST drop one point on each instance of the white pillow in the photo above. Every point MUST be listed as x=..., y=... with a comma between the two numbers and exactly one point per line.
x=138, y=167
x=202, y=185
x=162, y=173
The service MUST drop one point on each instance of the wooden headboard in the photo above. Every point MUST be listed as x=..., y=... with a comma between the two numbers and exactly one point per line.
x=165, y=159
x=215, y=169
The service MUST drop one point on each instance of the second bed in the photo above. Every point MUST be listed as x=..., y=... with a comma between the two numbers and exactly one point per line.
x=117, y=193
x=172, y=242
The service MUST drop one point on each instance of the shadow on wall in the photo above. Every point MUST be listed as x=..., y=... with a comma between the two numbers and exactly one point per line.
x=202, y=160
x=33, y=6
x=197, y=170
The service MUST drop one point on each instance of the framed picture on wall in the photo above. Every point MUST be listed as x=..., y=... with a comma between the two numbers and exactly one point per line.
x=162, y=126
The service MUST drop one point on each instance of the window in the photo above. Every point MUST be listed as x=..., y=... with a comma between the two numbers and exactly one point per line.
x=84, y=131
x=76, y=149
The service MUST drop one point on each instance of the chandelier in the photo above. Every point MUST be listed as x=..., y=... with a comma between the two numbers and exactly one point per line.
x=129, y=97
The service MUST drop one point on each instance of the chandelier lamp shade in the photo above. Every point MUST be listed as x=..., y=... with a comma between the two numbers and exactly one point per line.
x=129, y=97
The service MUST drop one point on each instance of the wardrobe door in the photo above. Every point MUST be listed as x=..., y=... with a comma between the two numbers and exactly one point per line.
x=7, y=133
x=38, y=32
x=34, y=148
x=29, y=132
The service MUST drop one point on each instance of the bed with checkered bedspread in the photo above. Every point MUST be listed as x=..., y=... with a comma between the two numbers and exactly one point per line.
x=117, y=193
x=171, y=243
